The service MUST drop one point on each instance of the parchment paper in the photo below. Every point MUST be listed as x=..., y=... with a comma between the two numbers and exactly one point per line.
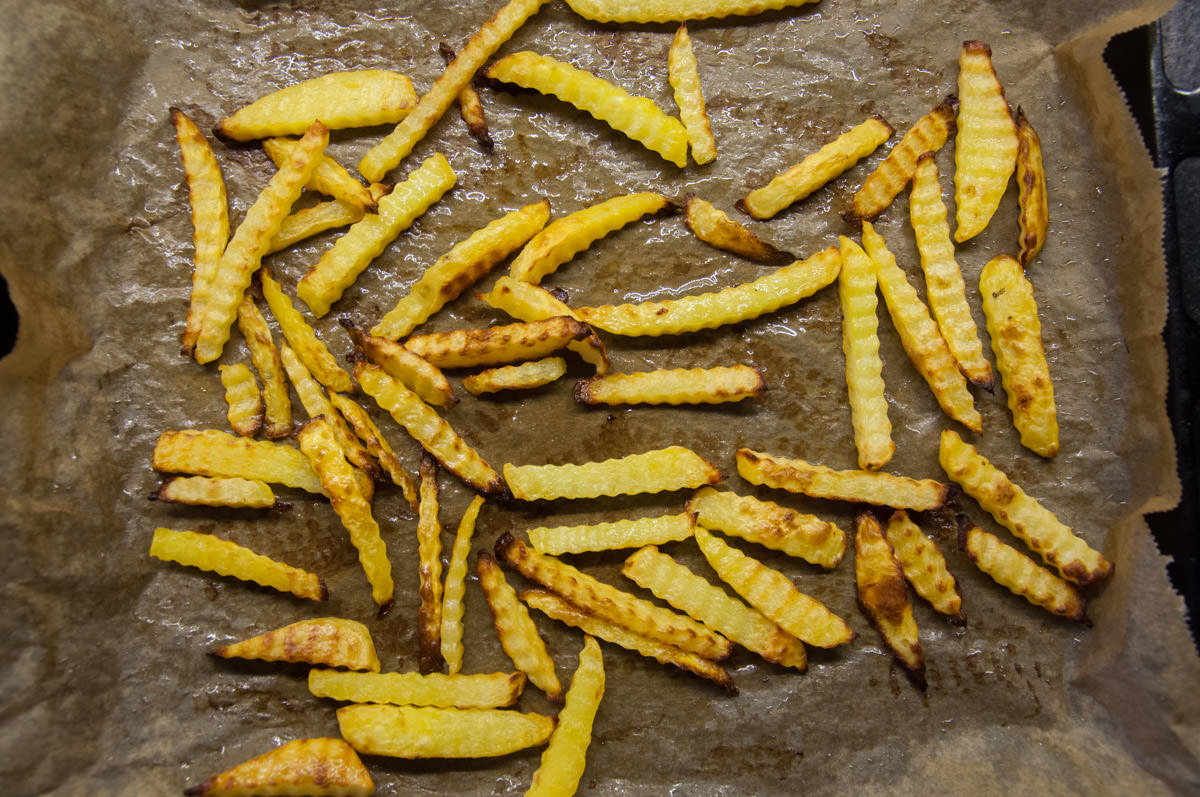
x=107, y=685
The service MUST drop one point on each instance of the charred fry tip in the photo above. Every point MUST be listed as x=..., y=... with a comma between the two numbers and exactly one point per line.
x=384, y=608
x=964, y=526
x=322, y=589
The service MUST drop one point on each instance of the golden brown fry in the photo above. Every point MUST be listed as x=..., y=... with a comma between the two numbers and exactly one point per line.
x=243, y=255
x=883, y=596
x=919, y=335
x=861, y=486
x=565, y=756
x=277, y=404
x=456, y=587
x=1018, y=573
x=526, y=376
x=469, y=104
x=772, y=593
x=206, y=552
x=210, y=216
x=676, y=584
x=780, y=288
x=318, y=405
x=319, y=444
x=303, y=339
x=1016, y=333
x=330, y=177
x=1034, y=218
x=718, y=385
x=569, y=235
x=321, y=767
x=434, y=732
x=349, y=256
x=209, y=491
x=326, y=641
x=684, y=76
x=429, y=568
x=498, y=345
x=359, y=98
x=525, y=301
x=634, y=116
x=770, y=525
x=1012, y=508
x=923, y=565
x=944, y=285
x=660, y=470
x=612, y=604
x=985, y=148
x=418, y=374
x=486, y=690
x=211, y=452
x=673, y=10
x=893, y=173
x=243, y=398
x=465, y=263
x=864, y=367
x=716, y=228
x=308, y=222
x=429, y=429
x=817, y=169
x=377, y=446
x=518, y=635
x=635, y=533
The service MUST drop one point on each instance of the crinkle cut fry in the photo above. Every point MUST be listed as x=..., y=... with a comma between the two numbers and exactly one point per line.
x=1034, y=217
x=883, y=595
x=659, y=470
x=673, y=10
x=435, y=732
x=565, y=756
x=326, y=641
x=518, y=635
x=716, y=385
x=985, y=147
x=770, y=525
x=302, y=338
x=211, y=452
x=684, y=76
x=317, y=767
x=864, y=367
x=206, y=552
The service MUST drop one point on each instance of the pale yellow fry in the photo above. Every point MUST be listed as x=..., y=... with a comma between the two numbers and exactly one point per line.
x=350, y=255
x=770, y=525
x=883, y=596
x=206, y=552
x=1016, y=332
x=319, y=444
x=1019, y=574
x=525, y=376
x=864, y=366
x=673, y=10
x=611, y=604
x=676, y=584
x=629, y=533
x=985, y=148
x=211, y=491
x=817, y=169
x=358, y=98
x=318, y=405
x=1034, y=218
x=780, y=288
x=430, y=430
x=772, y=593
x=556, y=608
x=498, y=345
x=944, y=285
x=923, y=564
x=893, y=173
x=525, y=301
x=518, y=635
x=634, y=116
x=429, y=568
x=716, y=228
x=660, y=470
x=418, y=374
x=673, y=386
x=211, y=452
x=434, y=732
x=243, y=399
x=210, y=217
x=321, y=767
x=330, y=177
x=252, y=239
x=684, y=76
x=277, y=404
x=387, y=154
x=919, y=334
x=1027, y=519
x=305, y=223
x=376, y=444
x=861, y=486
x=485, y=690
x=303, y=338
x=458, y=269
x=569, y=235
x=326, y=641
x=565, y=757
x=456, y=587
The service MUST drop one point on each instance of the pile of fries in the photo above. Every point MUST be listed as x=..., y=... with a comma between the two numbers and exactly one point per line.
x=393, y=393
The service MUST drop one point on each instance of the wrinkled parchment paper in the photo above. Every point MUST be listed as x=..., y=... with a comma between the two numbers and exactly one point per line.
x=107, y=685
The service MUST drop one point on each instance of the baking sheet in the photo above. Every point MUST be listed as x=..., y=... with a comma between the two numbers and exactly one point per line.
x=109, y=688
